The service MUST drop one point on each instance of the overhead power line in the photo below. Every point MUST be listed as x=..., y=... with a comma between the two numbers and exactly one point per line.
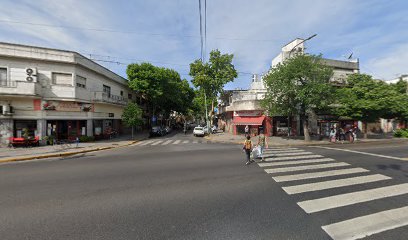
x=132, y=32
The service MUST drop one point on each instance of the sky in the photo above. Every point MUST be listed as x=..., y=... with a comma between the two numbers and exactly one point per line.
x=166, y=33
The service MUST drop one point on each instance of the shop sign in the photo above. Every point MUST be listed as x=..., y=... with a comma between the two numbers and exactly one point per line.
x=68, y=106
x=252, y=113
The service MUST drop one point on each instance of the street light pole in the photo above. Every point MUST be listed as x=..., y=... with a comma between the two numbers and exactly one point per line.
x=290, y=52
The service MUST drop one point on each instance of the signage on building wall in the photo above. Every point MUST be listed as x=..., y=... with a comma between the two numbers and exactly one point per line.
x=37, y=104
x=253, y=113
x=67, y=106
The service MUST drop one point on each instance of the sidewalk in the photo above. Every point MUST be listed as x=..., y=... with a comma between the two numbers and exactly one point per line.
x=297, y=141
x=21, y=153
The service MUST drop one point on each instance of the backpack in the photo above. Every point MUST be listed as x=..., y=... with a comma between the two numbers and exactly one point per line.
x=247, y=145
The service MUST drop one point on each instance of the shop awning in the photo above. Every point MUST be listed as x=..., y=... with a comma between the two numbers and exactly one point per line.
x=248, y=120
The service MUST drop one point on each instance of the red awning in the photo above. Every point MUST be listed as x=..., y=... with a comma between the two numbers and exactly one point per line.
x=248, y=120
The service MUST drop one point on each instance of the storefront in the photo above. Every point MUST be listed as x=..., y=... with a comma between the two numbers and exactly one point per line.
x=66, y=129
x=255, y=120
x=282, y=126
x=20, y=126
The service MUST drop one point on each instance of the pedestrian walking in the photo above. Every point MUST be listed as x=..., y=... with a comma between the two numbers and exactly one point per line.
x=332, y=135
x=247, y=149
x=342, y=135
x=246, y=130
x=262, y=143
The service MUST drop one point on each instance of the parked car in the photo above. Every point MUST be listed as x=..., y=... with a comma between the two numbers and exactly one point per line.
x=167, y=130
x=156, y=131
x=198, y=131
x=206, y=130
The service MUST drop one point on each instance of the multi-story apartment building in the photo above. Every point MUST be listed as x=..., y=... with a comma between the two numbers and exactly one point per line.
x=243, y=107
x=59, y=93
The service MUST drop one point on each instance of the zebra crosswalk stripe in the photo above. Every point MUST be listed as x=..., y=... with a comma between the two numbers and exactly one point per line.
x=185, y=141
x=303, y=176
x=289, y=158
x=320, y=204
x=282, y=163
x=367, y=225
x=310, y=187
x=167, y=142
x=138, y=143
x=146, y=142
x=177, y=142
x=307, y=167
x=284, y=151
x=160, y=141
x=280, y=148
x=195, y=141
x=292, y=154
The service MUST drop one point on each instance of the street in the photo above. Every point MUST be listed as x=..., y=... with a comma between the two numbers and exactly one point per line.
x=184, y=187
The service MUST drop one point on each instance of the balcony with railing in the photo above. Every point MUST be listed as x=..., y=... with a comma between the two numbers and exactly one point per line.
x=20, y=88
x=108, y=98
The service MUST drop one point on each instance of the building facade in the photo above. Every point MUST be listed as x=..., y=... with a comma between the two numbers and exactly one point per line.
x=51, y=92
x=243, y=107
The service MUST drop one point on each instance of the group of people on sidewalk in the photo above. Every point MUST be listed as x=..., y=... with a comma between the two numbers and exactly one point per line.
x=248, y=147
x=339, y=134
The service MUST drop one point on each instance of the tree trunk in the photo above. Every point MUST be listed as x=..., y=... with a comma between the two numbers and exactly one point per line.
x=306, y=128
x=132, y=132
x=365, y=126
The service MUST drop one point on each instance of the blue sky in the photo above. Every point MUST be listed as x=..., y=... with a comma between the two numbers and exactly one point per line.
x=166, y=32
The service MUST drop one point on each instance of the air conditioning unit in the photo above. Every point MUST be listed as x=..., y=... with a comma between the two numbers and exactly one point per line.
x=7, y=110
x=31, y=74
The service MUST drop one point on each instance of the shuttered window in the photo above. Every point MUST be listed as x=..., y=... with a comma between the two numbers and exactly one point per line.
x=3, y=74
x=80, y=81
x=62, y=78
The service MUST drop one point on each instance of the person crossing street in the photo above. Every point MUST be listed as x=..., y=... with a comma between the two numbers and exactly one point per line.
x=247, y=149
x=262, y=143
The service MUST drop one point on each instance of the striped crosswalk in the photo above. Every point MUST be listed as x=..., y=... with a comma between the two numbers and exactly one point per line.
x=293, y=166
x=164, y=142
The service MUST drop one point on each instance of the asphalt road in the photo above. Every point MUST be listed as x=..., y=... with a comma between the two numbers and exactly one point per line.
x=181, y=187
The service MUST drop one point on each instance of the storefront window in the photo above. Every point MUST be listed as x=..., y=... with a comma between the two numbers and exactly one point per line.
x=30, y=125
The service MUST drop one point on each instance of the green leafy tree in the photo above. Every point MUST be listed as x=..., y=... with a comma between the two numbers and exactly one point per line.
x=298, y=86
x=368, y=100
x=211, y=77
x=163, y=88
x=132, y=116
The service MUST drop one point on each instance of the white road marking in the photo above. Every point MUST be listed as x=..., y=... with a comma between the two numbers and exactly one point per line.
x=195, y=141
x=320, y=204
x=284, y=151
x=185, y=141
x=364, y=226
x=272, y=164
x=318, y=174
x=177, y=142
x=366, y=153
x=281, y=149
x=160, y=141
x=310, y=187
x=138, y=143
x=146, y=142
x=167, y=142
x=307, y=167
x=273, y=159
x=291, y=154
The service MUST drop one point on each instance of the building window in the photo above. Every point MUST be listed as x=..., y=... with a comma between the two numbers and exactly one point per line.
x=130, y=96
x=80, y=82
x=107, y=90
x=3, y=76
x=62, y=78
x=121, y=93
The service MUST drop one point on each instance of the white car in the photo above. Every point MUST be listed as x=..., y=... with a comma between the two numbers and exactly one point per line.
x=198, y=131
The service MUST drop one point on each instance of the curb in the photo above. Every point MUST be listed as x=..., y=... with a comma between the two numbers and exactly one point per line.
x=35, y=157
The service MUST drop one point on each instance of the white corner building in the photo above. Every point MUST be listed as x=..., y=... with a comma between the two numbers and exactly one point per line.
x=59, y=93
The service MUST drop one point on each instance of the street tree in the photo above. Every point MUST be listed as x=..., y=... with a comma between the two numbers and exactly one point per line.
x=368, y=100
x=163, y=88
x=132, y=116
x=298, y=86
x=210, y=77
